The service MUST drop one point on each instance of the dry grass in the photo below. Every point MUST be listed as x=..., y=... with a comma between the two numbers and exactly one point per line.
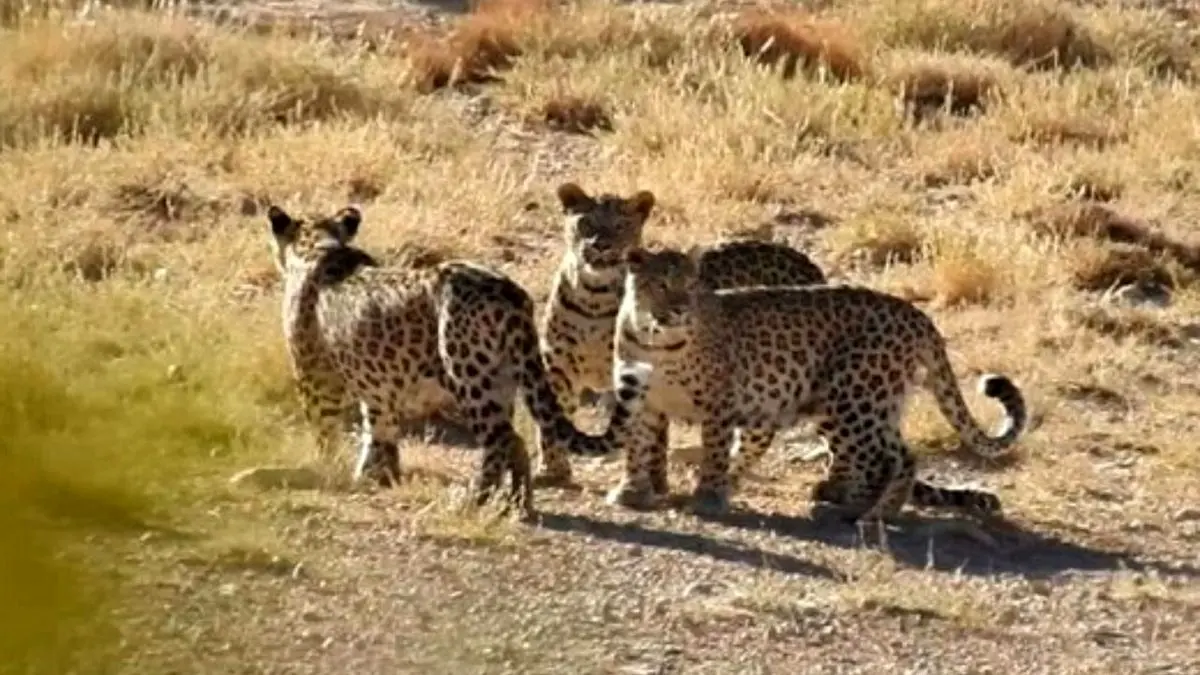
x=1028, y=33
x=876, y=241
x=1084, y=131
x=927, y=85
x=570, y=113
x=963, y=276
x=476, y=46
x=962, y=160
x=1096, y=221
x=1100, y=268
x=794, y=41
x=142, y=360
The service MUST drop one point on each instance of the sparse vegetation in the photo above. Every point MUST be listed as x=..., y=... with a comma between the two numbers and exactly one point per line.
x=795, y=41
x=141, y=360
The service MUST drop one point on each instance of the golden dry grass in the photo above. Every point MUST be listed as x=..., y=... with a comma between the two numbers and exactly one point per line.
x=142, y=360
x=792, y=41
x=926, y=85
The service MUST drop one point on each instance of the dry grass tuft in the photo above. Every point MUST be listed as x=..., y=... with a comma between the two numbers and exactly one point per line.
x=1047, y=37
x=160, y=203
x=97, y=254
x=1100, y=268
x=477, y=46
x=1027, y=33
x=961, y=162
x=961, y=276
x=876, y=241
x=1087, y=220
x=1093, y=186
x=1150, y=39
x=1096, y=221
x=928, y=86
x=574, y=114
x=1122, y=324
x=1079, y=130
x=796, y=41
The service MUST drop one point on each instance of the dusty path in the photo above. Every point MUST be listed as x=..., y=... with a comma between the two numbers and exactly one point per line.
x=395, y=583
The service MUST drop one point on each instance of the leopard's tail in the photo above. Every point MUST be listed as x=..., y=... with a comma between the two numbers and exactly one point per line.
x=630, y=383
x=940, y=380
x=518, y=334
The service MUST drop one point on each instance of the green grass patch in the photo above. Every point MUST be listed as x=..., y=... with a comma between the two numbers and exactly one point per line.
x=120, y=413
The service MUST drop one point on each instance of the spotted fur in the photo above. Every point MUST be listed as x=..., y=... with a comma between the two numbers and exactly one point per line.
x=761, y=359
x=402, y=342
x=578, y=324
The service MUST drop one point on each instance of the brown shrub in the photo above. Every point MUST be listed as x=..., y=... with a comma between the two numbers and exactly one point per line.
x=477, y=46
x=1095, y=221
x=928, y=87
x=1045, y=37
x=1035, y=34
x=1087, y=220
x=960, y=165
x=1105, y=267
x=961, y=275
x=799, y=42
x=575, y=114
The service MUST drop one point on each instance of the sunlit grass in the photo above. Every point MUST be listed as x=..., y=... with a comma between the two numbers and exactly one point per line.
x=118, y=411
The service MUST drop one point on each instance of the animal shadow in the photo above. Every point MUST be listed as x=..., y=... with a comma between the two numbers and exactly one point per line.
x=915, y=541
x=712, y=547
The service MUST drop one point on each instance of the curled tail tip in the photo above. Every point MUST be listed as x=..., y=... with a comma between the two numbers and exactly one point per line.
x=994, y=385
x=1003, y=389
x=633, y=374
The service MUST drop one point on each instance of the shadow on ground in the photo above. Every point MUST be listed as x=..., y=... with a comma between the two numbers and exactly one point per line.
x=1020, y=551
x=717, y=549
x=914, y=541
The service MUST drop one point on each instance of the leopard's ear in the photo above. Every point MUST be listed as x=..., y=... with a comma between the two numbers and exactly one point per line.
x=282, y=225
x=348, y=220
x=643, y=203
x=573, y=198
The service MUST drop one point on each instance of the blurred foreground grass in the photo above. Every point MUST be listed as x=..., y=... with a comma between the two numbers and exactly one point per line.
x=119, y=414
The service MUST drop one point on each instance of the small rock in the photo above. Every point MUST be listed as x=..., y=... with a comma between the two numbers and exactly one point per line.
x=278, y=478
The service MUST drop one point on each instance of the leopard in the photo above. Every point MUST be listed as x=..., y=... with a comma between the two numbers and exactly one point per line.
x=578, y=324
x=402, y=341
x=847, y=357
